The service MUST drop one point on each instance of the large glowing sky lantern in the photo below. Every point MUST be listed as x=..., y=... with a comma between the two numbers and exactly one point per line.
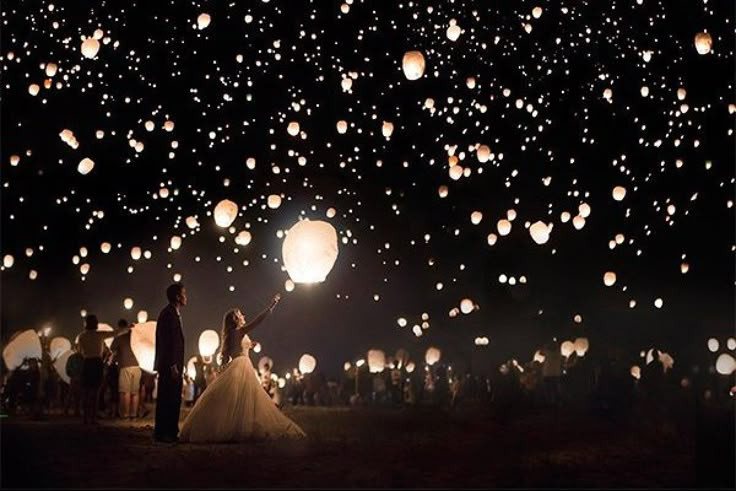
x=225, y=213
x=21, y=346
x=143, y=344
x=376, y=361
x=60, y=365
x=58, y=346
x=307, y=363
x=209, y=341
x=432, y=355
x=309, y=251
x=413, y=64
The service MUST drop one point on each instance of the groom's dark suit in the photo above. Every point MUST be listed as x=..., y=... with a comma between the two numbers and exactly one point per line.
x=169, y=352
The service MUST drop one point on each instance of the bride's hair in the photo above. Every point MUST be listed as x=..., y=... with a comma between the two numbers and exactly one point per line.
x=230, y=344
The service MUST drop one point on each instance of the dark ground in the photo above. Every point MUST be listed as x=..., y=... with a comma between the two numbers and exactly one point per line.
x=368, y=448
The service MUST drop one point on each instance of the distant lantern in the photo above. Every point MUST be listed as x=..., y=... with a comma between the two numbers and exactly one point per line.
x=175, y=242
x=443, y=191
x=476, y=217
x=456, y=172
x=274, y=201
x=192, y=222
x=607, y=94
x=703, y=43
x=492, y=238
x=658, y=303
x=578, y=222
x=504, y=227
x=209, y=341
x=565, y=216
x=135, y=253
x=33, y=89
x=581, y=346
x=169, y=126
x=537, y=12
x=90, y=47
x=731, y=344
x=342, y=126
x=467, y=306
x=51, y=69
x=410, y=367
x=293, y=128
x=432, y=355
x=470, y=82
x=387, y=129
x=713, y=345
x=128, y=303
x=243, y=238
x=725, y=364
x=149, y=125
x=483, y=153
x=192, y=367
x=289, y=285
x=142, y=316
x=58, y=346
x=203, y=21
x=619, y=192
x=567, y=348
x=376, y=361
x=453, y=32
x=578, y=318
x=684, y=268
x=609, y=278
x=105, y=247
x=143, y=344
x=539, y=232
x=539, y=357
x=331, y=212
x=8, y=261
x=681, y=93
x=85, y=166
x=401, y=322
x=225, y=213
x=584, y=210
x=413, y=64
x=21, y=346
x=635, y=372
x=307, y=363
x=309, y=251
x=102, y=327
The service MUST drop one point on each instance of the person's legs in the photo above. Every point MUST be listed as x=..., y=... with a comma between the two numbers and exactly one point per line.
x=124, y=404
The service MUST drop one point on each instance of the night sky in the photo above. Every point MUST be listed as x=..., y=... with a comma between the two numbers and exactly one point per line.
x=558, y=139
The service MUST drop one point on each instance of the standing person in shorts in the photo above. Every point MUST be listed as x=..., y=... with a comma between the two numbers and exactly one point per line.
x=129, y=377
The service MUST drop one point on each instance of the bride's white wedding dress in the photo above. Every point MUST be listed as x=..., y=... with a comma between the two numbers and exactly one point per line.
x=234, y=407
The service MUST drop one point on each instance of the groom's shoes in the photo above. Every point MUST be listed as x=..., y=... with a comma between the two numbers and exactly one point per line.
x=173, y=440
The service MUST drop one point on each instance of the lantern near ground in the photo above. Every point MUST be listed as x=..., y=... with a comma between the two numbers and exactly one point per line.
x=58, y=346
x=410, y=367
x=725, y=364
x=192, y=368
x=142, y=316
x=102, y=327
x=581, y=346
x=413, y=64
x=22, y=345
x=90, y=47
x=225, y=213
x=539, y=357
x=703, y=43
x=376, y=361
x=567, y=348
x=731, y=343
x=309, y=251
x=209, y=341
x=265, y=365
x=635, y=372
x=60, y=365
x=143, y=344
x=307, y=363
x=432, y=355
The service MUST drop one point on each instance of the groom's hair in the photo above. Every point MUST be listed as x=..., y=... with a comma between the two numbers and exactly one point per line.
x=173, y=291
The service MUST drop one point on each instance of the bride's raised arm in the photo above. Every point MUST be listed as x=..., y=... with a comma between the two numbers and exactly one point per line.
x=248, y=327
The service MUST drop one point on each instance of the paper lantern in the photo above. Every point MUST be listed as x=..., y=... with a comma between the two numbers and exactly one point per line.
x=225, y=213
x=456, y=172
x=143, y=344
x=401, y=357
x=265, y=360
x=413, y=65
x=274, y=201
x=410, y=367
x=58, y=346
x=537, y=12
x=609, y=278
x=567, y=348
x=483, y=153
x=293, y=128
x=175, y=242
x=635, y=372
x=8, y=261
x=309, y=251
x=102, y=327
x=85, y=166
x=684, y=268
x=703, y=43
x=51, y=69
x=713, y=345
x=539, y=357
x=666, y=360
x=658, y=303
x=504, y=227
x=539, y=232
x=387, y=129
x=376, y=361
x=33, y=90
x=60, y=365
x=581, y=346
x=105, y=247
x=203, y=21
x=619, y=192
x=128, y=303
x=342, y=126
x=135, y=253
x=492, y=238
x=467, y=306
x=209, y=341
x=731, y=344
x=443, y=191
x=22, y=345
x=584, y=210
x=243, y=238
x=192, y=368
x=432, y=355
x=307, y=363
x=90, y=47
x=453, y=32
x=289, y=286
x=476, y=217
x=725, y=364
x=192, y=222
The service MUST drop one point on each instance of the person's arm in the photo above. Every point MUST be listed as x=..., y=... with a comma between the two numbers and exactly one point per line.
x=259, y=318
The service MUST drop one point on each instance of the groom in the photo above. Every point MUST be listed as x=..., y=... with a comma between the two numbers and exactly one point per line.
x=169, y=363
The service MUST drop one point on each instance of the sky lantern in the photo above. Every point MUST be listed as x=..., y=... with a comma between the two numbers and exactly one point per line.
x=684, y=268
x=453, y=32
x=387, y=129
x=703, y=43
x=331, y=212
x=243, y=238
x=143, y=344
x=537, y=12
x=102, y=327
x=539, y=357
x=342, y=126
x=8, y=261
x=22, y=345
x=401, y=322
x=609, y=278
x=192, y=367
x=309, y=251
x=274, y=201
x=578, y=222
x=58, y=346
x=432, y=355
x=619, y=192
x=142, y=316
x=483, y=153
x=567, y=348
x=60, y=365
x=658, y=303
x=289, y=285
x=467, y=306
x=539, y=232
x=584, y=210
x=293, y=128
x=307, y=363
x=33, y=89
x=105, y=247
x=128, y=303
x=51, y=69
x=135, y=253
x=731, y=344
x=635, y=372
x=209, y=341
x=504, y=227
x=581, y=346
x=14, y=160
x=476, y=217
x=203, y=21
x=85, y=166
x=725, y=364
x=225, y=213
x=376, y=361
x=492, y=238
x=192, y=222
x=667, y=361
x=413, y=64
x=175, y=242
x=565, y=216
x=90, y=47
x=456, y=172
x=169, y=126
x=713, y=345
x=443, y=191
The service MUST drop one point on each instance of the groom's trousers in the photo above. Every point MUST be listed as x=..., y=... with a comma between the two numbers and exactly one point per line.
x=168, y=404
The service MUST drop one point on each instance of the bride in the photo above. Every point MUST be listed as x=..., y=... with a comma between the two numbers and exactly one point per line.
x=235, y=407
